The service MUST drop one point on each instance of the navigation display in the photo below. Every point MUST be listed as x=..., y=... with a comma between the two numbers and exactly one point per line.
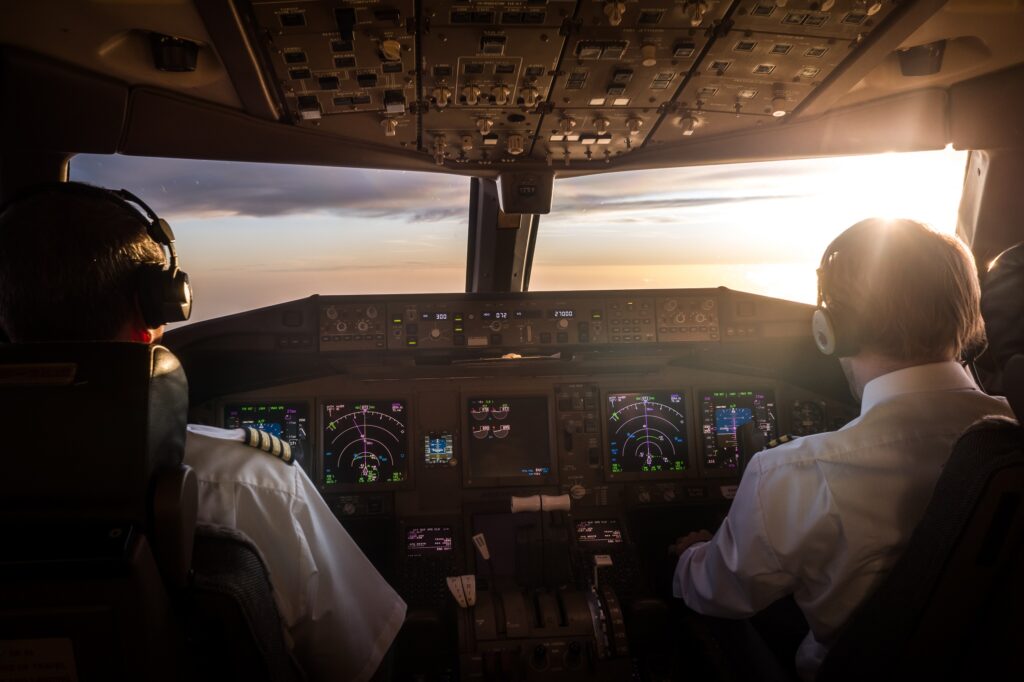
x=599, y=532
x=427, y=541
x=723, y=412
x=365, y=442
x=509, y=438
x=287, y=421
x=647, y=433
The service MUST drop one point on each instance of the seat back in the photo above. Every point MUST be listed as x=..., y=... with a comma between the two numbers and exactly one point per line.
x=953, y=606
x=96, y=510
x=233, y=623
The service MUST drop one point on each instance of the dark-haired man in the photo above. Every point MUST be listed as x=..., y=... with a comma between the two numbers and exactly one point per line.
x=74, y=264
x=825, y=517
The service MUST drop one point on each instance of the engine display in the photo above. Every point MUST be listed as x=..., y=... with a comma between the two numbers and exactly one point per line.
x=365, y=442
x=287, y=421
x=509, y=439
x=647, y=433
x=599, y=532
x=723, y=412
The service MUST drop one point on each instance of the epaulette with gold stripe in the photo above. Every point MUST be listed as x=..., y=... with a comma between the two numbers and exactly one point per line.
x=270, y=444
x=781, y=440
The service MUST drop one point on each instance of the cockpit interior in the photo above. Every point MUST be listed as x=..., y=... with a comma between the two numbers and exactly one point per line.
x=548, y=444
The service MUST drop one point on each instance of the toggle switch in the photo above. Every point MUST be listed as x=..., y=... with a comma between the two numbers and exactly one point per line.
x=472, y=95
x=442, y=96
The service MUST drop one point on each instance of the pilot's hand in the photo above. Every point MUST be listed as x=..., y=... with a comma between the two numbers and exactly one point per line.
x=682, y=543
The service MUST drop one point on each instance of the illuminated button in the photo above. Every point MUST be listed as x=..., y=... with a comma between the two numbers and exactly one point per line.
x=615, y=338
x=325, y=338
x=637, y=338
x=411, y=342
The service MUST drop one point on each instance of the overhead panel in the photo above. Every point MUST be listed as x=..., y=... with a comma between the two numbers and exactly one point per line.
x=506, y=83
x=623, y=63
x=347, y=68
x=488, y=73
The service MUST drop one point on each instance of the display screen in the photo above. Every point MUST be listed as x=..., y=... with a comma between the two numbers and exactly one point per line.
x=599, y=532
x=438, y=447
x=647, y=433
x=287, y=421
x=365, y=442
x=723, y=412
x=426, y=541
x=509, y=438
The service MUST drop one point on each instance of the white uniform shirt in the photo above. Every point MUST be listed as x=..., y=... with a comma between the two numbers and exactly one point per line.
x=826, y=516
x=338, y=611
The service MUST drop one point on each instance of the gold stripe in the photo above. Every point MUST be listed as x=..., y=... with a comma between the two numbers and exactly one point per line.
x=254, y=438
x=286, y=452
x=275, y=446
x=264, y=441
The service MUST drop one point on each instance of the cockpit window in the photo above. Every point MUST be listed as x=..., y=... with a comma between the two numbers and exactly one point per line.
x=254, y=234
x=758, y=227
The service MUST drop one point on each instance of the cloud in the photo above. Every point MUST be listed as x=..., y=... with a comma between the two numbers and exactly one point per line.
x=184, y=188
x=192, y=189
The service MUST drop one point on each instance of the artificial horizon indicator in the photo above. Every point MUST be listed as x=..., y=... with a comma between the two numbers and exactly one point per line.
x=723, y=413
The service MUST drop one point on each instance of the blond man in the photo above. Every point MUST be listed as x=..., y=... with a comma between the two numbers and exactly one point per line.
x=825, y=517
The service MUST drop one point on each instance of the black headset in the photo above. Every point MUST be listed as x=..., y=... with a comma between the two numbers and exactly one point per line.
x=833, y=328
x=163, y=290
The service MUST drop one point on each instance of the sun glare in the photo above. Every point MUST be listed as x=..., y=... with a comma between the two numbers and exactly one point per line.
x=758, y=227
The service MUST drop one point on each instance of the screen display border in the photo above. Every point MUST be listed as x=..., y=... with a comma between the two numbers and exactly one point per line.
x=311, y=424
x=606, y=457
x=471, y=481
x=698, y=409
x=410, y=453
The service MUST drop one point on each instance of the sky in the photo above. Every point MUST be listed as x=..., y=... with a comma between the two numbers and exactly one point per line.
x=251, y=235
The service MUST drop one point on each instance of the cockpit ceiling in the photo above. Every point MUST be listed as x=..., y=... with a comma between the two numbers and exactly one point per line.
x=561, y=81
x=487, y=86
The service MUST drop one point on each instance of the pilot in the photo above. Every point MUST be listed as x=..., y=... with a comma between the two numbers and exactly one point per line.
x=824, y=517
x=71, y=264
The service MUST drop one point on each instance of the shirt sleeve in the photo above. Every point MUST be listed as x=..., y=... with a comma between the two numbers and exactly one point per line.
x=737, y=573
x=351, y=614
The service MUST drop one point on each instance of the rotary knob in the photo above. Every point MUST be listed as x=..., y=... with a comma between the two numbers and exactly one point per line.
x=371, y=311
x=348, y=509
x=495, y=326
x=341, y=327
x=390, y=127
x=442, y=96
x=602, y=125
x=484, y=125
x=614, y=10
x=466, y=143
x=515, y=145
x=500, y=93
x=567, y=125
x=563, y=323
x=648, y=55
x=633, y=125
x=435, y=333
x=643, y=497
x=577, y=492
x=669, y=495
x=680, y=318
x=362, y=325
x=472, y=95
x=530, y=97
x=391, y=50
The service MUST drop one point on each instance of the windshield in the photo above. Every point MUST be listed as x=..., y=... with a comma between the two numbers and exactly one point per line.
x=758, y=227
x=252, y=234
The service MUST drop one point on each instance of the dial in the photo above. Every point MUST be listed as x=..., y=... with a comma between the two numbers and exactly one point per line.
x=647, y=432
x=808, y=417
x=365, y=442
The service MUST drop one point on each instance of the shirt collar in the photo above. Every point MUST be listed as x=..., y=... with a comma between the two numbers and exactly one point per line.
x=936, y=376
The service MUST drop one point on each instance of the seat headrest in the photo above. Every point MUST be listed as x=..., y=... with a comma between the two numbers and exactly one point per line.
x=1002, y=305
x=1013, y=385
x=87, y=426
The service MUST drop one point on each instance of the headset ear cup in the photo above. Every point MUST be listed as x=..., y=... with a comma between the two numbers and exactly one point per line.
x=823, y=331
x=150, y=294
